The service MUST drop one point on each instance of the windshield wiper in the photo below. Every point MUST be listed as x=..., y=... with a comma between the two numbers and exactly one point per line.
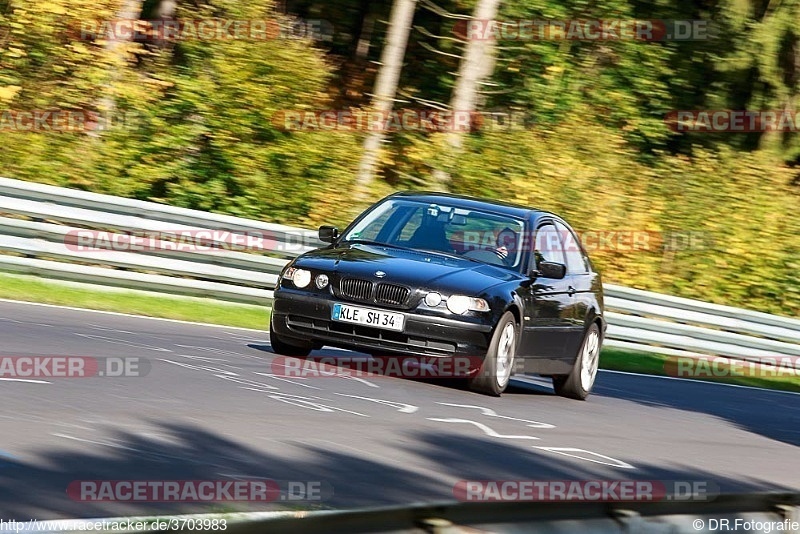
x=376, y=244
x=400, y=247
x=448, y=254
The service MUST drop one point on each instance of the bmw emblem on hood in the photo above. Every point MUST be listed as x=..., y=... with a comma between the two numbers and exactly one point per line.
x=380, y=274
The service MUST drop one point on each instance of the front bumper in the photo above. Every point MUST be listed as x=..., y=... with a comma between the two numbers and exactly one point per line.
x=305, y=318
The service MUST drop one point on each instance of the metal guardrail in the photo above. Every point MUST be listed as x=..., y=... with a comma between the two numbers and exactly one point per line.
x=753, y=512
x=39, y=224
x=749, y=512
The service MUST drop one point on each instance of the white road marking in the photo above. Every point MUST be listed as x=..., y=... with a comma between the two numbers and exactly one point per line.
x=487, y=430
x=143, y=453
x=278, y=377
x=220, y=352
x=338, y=372
x=202, y=358
x=27, y=380
x=491, y=413
x=106, y=329
x=250, y=384
x=357, y=379
x=401, y=406
x=262, y=332
x=199, y=367
x=246, y=338
x=306, y=402
x=123, y=342
x=10, y=320
x=104, y=443
x=573, y=453
x=98, y=327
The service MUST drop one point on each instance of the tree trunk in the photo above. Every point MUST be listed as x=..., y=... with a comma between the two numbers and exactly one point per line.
x=476, y=66
x=106, y=105
x=385, y=89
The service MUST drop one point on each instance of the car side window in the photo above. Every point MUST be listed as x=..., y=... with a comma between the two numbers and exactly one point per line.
x=547, y=245
x=576, y=263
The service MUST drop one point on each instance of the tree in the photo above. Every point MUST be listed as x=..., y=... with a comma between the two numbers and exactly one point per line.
x=385, y=89
x=118, y=55
x=476, y=65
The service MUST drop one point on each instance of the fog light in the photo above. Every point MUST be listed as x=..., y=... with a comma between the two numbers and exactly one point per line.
x=321, y=281
x=433, y=299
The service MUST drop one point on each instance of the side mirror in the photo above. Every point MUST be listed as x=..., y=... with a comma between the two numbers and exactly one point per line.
x=550, y=269
x=328, y=233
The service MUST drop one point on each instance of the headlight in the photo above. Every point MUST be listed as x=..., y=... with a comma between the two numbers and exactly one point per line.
x=300, y=277
x=460, y=304
x=433, y=299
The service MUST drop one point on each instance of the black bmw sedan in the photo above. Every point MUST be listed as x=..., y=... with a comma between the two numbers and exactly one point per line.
x=446, y=276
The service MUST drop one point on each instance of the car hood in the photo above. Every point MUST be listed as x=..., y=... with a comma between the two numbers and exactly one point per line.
x=413, y=268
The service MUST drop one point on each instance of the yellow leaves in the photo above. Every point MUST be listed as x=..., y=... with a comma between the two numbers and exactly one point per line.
x=16, y=53
x=8, y=92
x=737, y=206
x=56, y=8
x=79, y=47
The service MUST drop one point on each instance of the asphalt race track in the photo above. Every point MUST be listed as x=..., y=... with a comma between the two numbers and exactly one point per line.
x=208, y=409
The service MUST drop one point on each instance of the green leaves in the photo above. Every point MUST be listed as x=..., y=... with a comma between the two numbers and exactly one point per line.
x=201, y=129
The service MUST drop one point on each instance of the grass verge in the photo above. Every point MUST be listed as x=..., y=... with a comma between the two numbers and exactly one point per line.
x=33, y=289
x=714, y=371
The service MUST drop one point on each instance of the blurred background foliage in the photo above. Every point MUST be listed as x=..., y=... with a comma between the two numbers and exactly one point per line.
x=199, y=125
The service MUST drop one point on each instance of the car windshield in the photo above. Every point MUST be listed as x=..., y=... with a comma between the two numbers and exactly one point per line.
x=473, y=234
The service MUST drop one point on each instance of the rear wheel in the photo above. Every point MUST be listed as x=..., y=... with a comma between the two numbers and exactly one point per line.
x=495, y=372
x=579, y=382
x=285, y=347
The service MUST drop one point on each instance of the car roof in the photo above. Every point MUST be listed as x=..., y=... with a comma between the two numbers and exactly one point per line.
x=467, y=202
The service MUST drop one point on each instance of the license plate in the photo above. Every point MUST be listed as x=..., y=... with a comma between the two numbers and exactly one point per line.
x=368, y=317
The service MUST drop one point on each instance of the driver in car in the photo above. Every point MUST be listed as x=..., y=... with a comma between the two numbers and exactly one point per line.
x=507, y=241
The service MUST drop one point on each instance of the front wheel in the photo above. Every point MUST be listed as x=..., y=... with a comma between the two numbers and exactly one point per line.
x=282, y=346
x=579, y=382
x=495, y=372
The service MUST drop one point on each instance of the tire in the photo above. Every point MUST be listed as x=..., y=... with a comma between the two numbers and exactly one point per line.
x=284, y=347
x=494, y=374
x=578, y=384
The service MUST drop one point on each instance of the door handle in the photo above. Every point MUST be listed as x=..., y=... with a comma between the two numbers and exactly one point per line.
x=571, y=291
